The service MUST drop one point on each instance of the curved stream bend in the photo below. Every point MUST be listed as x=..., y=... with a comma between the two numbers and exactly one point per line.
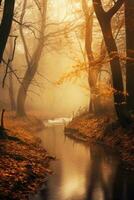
x=82, y=172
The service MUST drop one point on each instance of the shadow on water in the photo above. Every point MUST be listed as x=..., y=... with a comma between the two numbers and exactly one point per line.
x=83, y=172
x=107, y=181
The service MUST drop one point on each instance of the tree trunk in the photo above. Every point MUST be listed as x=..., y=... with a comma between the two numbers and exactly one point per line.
x=11, y=92
x=11, y=84
x=104, y=19
x=23, y=90
x=6, y=23
x=92, y=72
x=33, y=62
x=119, y=98
x=5, y=28
x=129, y=25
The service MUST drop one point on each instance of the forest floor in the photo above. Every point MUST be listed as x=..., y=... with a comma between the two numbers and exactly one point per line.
x=106, y=131
x=24, y=164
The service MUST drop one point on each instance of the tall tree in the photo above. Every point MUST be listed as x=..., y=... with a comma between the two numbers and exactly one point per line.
x=129, y=25
x=33, y=61
x=5, y=25
x=104, y=18
x=11, y=83
x=94, y=68
x=5, y=28
x=88, y=46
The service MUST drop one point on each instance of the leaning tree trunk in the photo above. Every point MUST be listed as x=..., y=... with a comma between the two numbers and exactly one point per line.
x=27, y=79
x=5, y=25
x=104, y=19
x=92, y=71
x=10, y=76
x=5, y=28
x=34, y=60
x=11, y=91
x=95, y=65
x=129, y=25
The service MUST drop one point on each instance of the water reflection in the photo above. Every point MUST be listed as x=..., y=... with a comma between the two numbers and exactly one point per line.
x=123, y=186
x=102, y=174
x=83, y=172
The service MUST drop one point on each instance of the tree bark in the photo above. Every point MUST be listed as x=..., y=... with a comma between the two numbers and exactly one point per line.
x=32, y=62
x=11, y=83
x=6, y=23
x=92, y=72
x=11, y=91
x=104, y=19
x=5, y=28
x=129, y=25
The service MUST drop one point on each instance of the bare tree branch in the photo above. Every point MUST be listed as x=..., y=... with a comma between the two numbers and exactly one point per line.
x=115, y=8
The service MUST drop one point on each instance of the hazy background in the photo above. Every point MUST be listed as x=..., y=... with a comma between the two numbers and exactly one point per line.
x=44, y=94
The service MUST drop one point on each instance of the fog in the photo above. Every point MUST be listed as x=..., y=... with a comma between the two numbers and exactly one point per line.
x=44, y=95
x=64, y=48
x=60, y=100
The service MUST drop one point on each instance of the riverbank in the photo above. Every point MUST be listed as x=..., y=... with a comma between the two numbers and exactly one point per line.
x=24, y=163
x=103, y=130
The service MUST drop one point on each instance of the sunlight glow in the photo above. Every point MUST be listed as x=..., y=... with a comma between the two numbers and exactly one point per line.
x=75, y=186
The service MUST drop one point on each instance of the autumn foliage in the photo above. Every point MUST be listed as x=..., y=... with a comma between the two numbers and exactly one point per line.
x=23, y=162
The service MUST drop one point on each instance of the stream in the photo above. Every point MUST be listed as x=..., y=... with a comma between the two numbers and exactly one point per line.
x=83, y=172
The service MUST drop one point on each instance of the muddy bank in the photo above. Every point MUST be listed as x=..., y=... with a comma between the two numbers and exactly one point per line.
x=24, y=163
x=103, y=130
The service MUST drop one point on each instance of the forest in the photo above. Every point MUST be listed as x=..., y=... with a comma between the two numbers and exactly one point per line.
x=67, y=100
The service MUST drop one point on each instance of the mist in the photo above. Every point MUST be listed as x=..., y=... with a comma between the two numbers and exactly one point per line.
x=66, y=100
